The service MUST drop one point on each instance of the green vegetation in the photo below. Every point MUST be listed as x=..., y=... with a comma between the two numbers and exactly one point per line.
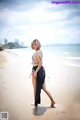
x=1, y=47
x=12, y=45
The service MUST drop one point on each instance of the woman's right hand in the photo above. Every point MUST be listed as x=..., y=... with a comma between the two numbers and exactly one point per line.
x=35, y=74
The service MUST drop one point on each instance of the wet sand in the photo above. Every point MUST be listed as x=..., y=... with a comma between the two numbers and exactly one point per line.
x=16, y=91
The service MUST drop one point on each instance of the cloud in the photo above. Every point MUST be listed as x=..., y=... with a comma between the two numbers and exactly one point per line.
x=42, y=20
x=35, y=15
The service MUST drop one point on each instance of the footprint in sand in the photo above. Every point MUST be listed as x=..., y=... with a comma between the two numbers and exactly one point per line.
x=64, y=112
x=60, y=109
x=76, y=98
x=3, y=82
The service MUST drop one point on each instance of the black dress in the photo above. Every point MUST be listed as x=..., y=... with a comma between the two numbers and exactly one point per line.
x=39, y=82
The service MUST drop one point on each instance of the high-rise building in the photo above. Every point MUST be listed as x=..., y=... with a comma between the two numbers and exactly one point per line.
x=0, y=41
x=5, y=41
x=16, y=41
x=22, y=43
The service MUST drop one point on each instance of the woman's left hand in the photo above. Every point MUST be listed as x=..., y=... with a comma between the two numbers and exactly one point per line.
x=35, y=74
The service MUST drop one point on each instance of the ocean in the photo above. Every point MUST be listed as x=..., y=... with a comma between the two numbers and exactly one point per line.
x=69, y=55
x=73, y=51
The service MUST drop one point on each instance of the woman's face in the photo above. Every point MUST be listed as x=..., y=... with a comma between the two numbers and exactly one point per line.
x=34, y=46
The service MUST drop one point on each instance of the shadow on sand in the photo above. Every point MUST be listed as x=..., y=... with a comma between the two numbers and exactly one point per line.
x=40, y=110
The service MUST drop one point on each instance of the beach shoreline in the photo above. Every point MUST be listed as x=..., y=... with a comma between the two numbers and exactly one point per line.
x=16, y=89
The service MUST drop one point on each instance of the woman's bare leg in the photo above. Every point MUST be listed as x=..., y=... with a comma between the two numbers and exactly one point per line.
x=34, y=85
x=49, y=95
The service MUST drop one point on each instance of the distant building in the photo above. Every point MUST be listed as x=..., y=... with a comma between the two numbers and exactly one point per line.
x=5, y=41
x=22, y=43
x=16, y=41
x=0, y=41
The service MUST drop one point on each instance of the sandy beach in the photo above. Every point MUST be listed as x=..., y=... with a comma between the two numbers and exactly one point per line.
x=16, y=91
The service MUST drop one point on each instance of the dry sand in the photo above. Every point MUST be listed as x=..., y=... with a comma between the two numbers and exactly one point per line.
x=16, y=91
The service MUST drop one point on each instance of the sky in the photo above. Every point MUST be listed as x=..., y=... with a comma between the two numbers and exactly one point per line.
x=27, y=20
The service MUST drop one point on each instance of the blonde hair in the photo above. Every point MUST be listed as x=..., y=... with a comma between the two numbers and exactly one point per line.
x=36, y=42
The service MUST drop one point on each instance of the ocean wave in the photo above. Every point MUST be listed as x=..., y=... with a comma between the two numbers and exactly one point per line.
x=71, y=64
x=69, y=57
x=66, y=53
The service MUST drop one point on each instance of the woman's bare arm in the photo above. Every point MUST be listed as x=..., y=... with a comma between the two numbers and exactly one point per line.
x=39, y=62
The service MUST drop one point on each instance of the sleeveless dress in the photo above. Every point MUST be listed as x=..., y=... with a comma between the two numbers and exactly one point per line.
x=39, y=80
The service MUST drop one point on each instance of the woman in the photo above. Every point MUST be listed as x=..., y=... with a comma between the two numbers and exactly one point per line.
x=38, y=74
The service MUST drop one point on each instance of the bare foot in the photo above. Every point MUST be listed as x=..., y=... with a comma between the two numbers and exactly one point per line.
x=52, y=104
x=36, y=106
